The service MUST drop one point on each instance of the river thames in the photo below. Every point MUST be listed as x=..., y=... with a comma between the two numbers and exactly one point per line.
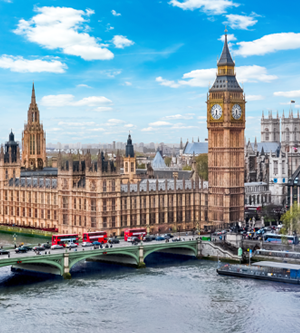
x=170, y=295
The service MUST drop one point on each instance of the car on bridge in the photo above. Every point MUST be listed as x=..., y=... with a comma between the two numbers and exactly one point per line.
x=177, y=239
x=113, y=241
x=159, y=238
x=71, y=245
x=148, y=238
x=39, y=248
x=3, y=252
x=21, y=249
x=97, y=243
x=46, y=245
x=56, y=247
x=86, y=244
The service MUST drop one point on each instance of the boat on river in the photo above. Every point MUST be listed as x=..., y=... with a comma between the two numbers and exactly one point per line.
x=264, y=270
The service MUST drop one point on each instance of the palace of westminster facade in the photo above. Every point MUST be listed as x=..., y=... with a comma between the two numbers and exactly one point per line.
x=83, y=195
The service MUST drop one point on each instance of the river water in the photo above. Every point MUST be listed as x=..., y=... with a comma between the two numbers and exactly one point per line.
x=173, y=294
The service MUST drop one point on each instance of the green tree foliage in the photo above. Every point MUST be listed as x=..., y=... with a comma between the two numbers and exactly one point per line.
x=291, y=220
x=202, y=166
x=168, y=161
x=141, y=166
x=187, y=167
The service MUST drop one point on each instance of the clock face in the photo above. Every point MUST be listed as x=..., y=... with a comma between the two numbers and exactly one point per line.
x=236, y=111
x=216, y=111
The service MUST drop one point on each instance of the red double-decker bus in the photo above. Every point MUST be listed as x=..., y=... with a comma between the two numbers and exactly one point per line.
x=100, y=236
x=65, y=239
x=129, y=234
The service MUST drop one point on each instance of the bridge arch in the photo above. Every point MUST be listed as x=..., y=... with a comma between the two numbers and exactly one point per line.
x=161, y=248
x=97, y=254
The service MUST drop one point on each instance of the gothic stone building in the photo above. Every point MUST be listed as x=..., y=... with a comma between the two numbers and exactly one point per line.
x=84, y=195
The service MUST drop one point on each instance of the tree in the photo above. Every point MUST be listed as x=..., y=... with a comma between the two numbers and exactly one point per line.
x=168, y=161
x=186, y=167
x=141, y=166
x=202, y=166
x=291, y=220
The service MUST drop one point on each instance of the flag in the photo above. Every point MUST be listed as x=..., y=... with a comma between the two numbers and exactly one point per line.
x=292, y=101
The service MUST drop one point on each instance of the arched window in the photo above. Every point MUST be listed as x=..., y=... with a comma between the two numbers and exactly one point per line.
x=295, y=134
x=267, y=136
x=258, y=199
x=287, y=134
x=274, y=135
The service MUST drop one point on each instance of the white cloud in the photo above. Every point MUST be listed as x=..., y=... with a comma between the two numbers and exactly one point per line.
x=66, y=29
x=68, y=100
x=75, y=124
x=254, y=73
x=149, y=129
x=115, y=13
x=98, y=129
x=210, y=6
x=240, y=21
x=128, y=83
x=129, y=125
x=179, y=116
x=121, y=41
x=113, y=122
x=103, y=108
x=83, y=85
x=230, y=38
x=19, y=64
x=293, y=93
x=254, y=98
x=111, y=72
x=201, y=117
x=160, y=123
x=182, y=126
x=204, y=77
x=167, y=83
x=269, y=43
x=108, y=28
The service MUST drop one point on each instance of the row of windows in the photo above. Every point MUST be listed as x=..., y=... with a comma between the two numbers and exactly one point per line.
x=256, y=188
x=29, y=196
x=257, y=199
x=152, y=201
x=31, y=212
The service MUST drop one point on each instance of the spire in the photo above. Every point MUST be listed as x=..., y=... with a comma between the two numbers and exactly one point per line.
x=225, y=58
x=33, y=101
x=263, y=116
x=181, y=145
x=283, y=114
x=198, y=139
x=129, y=147
x=277, y=115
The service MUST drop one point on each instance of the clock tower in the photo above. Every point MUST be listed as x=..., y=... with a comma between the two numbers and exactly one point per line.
x=226, y=124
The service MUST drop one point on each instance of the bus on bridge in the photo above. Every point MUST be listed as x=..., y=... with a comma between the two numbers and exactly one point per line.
x=139, y=233
x=65, y=239
x=100, y=236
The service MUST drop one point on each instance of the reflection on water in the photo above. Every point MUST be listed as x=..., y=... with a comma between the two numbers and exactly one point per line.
x=173, y=294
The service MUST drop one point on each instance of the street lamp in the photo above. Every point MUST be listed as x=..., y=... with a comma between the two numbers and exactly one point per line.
x=15, y=239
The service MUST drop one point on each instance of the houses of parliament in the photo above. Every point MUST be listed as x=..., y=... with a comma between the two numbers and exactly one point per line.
x=81, y=194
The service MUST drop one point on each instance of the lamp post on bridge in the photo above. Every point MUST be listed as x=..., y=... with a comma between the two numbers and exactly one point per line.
x=15, y=239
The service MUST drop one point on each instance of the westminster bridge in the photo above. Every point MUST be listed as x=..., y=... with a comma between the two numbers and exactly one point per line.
x=60, y=262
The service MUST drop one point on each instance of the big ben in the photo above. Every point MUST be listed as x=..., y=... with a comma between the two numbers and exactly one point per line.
x=226, y=124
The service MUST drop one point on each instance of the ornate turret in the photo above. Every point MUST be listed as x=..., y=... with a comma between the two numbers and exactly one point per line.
x=129, y=159
x=129, y=147
x=33, y=138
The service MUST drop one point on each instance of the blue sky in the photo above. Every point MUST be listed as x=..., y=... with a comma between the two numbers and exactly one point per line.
x=102, y=68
